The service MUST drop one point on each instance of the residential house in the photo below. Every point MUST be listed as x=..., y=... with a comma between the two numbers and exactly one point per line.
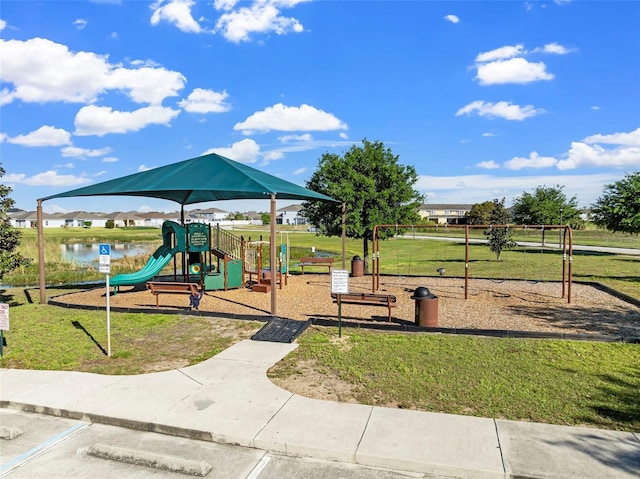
x=445, y=213
x=208, y=215
x=290, y=215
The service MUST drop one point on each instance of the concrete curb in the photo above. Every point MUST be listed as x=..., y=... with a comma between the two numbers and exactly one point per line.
x=150, y=459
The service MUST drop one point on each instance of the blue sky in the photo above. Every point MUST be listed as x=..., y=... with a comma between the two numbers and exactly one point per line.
x=485, y=99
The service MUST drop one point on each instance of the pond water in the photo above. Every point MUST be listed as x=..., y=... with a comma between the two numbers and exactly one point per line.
x=85, y=253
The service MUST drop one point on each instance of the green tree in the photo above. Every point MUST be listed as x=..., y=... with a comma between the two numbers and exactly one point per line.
x=546, y=206
x=10, y=259
x=266, y=218
x=480, y=213
x=375, y=188
x=499, y=237
x=618, y=209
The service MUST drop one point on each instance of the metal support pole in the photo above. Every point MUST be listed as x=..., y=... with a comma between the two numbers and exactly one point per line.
x=39, y=219
x=344, y=235
x=272, y=253
x=466, y=262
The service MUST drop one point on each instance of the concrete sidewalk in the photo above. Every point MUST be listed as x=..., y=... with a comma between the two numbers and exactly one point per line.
x=229, y=399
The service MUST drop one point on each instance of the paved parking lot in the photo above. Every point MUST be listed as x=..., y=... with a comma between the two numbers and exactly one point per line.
x=52, y=447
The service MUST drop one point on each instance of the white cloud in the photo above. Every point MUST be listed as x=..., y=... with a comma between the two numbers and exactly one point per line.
x=581, y=154
x=488, y=165
x=272, y=156
x=6, y=96
x=501, y=53
x=300, y=171
x=479, y=188
x=3, y=24
x=290, y=118
x=146, y=85
x=489, y=134
x=224, y=4
x=513, y=70
x=508, y=65
x=343, y=135
x=501, y=109
x=533, y=161
x=47, y=178
x=262, y=16
x=143, y=168
x=244, y=151
x=452, y=18
x=629, y=139
x=303, y=137
x=100, y=120
x=82, y=153
x=43, y=136
x=175, y=12
x=80, y=23
x=205, y=101
x=110, y=159
x=624, y=151
x=554, y=48
x=595, y=107
x=44, y=71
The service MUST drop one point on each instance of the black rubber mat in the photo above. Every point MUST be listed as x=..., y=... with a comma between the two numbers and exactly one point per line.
x=279, y=330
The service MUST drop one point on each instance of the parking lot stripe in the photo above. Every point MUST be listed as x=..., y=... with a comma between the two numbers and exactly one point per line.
x=40, y=448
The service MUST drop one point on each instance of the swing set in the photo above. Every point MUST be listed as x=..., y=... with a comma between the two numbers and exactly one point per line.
x=567, y=250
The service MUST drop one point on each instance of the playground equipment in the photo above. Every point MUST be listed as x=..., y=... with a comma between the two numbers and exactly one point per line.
x=253, y=265
x=210, y=256
x=567, y=251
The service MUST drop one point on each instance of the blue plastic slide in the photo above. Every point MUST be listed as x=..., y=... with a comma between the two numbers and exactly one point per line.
x=158, y=260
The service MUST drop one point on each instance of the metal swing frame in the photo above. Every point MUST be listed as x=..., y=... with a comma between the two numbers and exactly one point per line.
x=567, y=252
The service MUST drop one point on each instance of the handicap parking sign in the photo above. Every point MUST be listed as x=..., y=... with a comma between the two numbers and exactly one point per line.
x=105, y=255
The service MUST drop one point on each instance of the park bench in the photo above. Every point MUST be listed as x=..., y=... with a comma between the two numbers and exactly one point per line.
x=371, y=299
x=316, y=261
x=160, y=287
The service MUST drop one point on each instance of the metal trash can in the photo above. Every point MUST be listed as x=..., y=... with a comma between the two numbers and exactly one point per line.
x=426, y=308
x=357, y=267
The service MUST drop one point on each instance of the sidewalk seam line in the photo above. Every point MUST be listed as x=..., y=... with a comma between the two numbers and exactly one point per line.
x=504, y=468
x=364, y=430
x=271, y=419
x=189, y=377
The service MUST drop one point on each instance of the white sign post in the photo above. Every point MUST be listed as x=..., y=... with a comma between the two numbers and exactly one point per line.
x=105, y=267
x=4, y=323
x=339, y=286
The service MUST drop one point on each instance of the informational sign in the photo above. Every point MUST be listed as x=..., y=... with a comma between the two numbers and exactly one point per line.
x=105, y=255
x=198, y=237
x=4, y=317
x=339, y=281
x=339, y=286
x=4, y=323
x=105, y=267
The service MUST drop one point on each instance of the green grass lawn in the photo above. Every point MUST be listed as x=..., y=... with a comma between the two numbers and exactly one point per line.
x=554, y=382
x=52, y=338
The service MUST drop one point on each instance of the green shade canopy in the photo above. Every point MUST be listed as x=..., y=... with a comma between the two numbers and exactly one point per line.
x=205, y=178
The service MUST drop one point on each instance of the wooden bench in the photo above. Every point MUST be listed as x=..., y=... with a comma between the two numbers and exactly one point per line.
x=161, y=287
x=316, y=261
x=372, y=299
